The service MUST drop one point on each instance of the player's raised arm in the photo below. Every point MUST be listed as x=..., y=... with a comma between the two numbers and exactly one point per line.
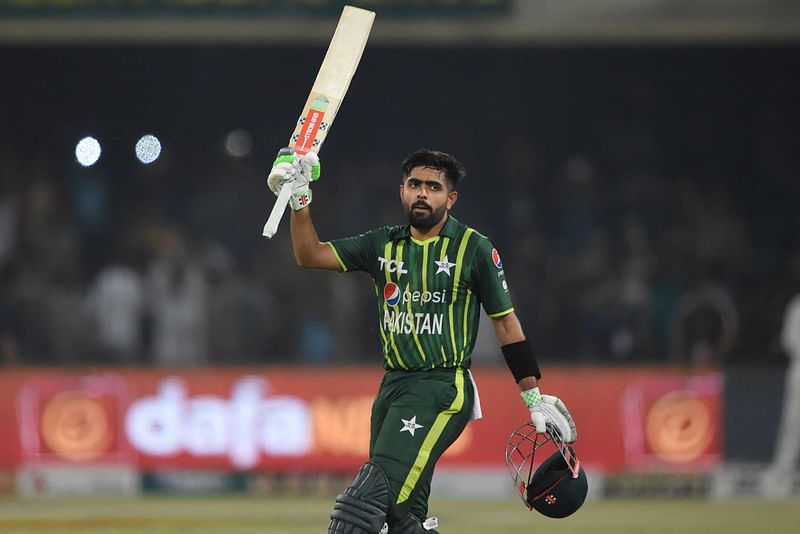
x=299, y=171
x=330, y=86
x=308, y=250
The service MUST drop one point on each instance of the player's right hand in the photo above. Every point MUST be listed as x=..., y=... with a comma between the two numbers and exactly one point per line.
x=307, y=167
x=289, y=167
x=297, y=171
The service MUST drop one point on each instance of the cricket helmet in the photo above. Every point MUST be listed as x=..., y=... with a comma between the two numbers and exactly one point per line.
x=557, y=486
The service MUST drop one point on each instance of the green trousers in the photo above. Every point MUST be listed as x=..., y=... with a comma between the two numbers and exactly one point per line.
x=416, y=416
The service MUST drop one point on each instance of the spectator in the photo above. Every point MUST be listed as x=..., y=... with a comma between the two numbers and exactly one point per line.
x=244, y=318
x=779, y=478
x=705, y=324
x=116, y=304
x=177, y=300
x=9, y=345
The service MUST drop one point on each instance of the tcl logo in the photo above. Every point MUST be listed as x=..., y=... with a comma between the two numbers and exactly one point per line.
x=242, y=427
x=391, y=266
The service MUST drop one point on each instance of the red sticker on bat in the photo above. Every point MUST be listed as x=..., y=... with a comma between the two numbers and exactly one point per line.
x=309, y=132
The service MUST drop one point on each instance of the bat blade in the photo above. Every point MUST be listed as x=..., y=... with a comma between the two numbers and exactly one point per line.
x=327, y=93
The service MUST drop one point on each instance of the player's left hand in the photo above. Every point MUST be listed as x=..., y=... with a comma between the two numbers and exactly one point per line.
x=547, y=410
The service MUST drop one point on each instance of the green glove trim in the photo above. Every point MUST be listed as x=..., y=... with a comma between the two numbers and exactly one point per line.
x=531, y=397
x=283, y=158
x=287, y=155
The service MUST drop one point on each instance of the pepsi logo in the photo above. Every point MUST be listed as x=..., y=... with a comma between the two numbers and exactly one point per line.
x=391, y=293
x=496, y=259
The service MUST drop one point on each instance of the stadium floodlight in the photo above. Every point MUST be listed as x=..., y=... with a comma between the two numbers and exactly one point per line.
x=148, y=148
x=88, y=151
x=238, y=143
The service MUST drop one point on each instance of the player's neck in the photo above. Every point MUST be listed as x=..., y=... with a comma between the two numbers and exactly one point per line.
x=419, y=235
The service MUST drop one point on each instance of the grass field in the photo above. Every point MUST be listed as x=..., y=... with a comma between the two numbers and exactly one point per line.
x=267, y=515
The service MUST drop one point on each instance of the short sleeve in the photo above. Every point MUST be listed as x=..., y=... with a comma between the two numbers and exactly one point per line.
x=490, y=279
x=358, y=253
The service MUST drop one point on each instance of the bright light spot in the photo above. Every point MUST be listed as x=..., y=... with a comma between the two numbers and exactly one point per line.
x=87, y=151
x=148, y=148
x=238, y=143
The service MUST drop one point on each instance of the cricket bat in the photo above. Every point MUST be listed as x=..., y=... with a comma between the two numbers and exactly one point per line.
x=330, y=86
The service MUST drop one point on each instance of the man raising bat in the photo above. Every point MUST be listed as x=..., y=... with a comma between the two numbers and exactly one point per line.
x=431, y=276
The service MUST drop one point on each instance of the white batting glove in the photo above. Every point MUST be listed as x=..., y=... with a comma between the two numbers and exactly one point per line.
x=549, y=411
x=281, y=173
x=307, y=167
x=296, y=170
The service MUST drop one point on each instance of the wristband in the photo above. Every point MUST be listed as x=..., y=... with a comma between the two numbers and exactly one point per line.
x=299, y=201
x=520, y=360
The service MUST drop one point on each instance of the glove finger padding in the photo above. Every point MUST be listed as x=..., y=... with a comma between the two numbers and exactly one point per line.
x=308, y=166
x=537, y=418
x=298, y=171
x=282, y=173
x=556, y=413
x=548, y=410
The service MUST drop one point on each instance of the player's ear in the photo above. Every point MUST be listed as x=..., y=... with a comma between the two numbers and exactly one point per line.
x=402, y=186
x=452, y=197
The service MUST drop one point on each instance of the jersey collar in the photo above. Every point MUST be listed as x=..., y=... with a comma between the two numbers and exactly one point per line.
x=450, y=229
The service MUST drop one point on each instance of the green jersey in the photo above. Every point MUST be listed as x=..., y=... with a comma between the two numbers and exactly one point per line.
x=429, y=292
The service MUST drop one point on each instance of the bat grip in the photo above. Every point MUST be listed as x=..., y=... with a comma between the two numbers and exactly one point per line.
x=276, y=214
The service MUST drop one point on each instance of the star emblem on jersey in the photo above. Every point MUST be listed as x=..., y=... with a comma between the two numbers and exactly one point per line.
x=410, y=425
x=444, y=266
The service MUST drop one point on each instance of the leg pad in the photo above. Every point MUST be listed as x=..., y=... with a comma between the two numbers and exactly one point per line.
x=361, y=509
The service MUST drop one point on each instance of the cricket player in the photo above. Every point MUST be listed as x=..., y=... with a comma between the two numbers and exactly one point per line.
x=430, y=277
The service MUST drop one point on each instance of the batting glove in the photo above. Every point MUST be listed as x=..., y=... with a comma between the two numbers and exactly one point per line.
x=296, y=170
x=549, y=411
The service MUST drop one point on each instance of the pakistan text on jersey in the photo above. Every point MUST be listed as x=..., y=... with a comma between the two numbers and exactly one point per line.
x=400, y=322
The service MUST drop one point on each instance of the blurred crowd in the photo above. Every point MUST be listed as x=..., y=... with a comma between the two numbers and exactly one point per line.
x=631, y=242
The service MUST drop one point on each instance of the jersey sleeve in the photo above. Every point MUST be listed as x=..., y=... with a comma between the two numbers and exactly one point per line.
x=357, y=253
x=491, y=280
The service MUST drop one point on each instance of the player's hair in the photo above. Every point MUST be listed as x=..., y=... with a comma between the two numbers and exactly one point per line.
x=434, y=159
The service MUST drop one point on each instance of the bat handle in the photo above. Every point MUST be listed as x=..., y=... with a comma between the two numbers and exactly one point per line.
x=276, y=214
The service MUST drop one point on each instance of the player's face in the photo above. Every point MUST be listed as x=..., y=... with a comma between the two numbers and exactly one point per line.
x=426, y=197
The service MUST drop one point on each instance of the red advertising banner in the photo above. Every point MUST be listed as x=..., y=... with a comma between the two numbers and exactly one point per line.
x=306, y=419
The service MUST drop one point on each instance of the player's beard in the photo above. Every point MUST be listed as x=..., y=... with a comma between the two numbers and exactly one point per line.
x=424, y=220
